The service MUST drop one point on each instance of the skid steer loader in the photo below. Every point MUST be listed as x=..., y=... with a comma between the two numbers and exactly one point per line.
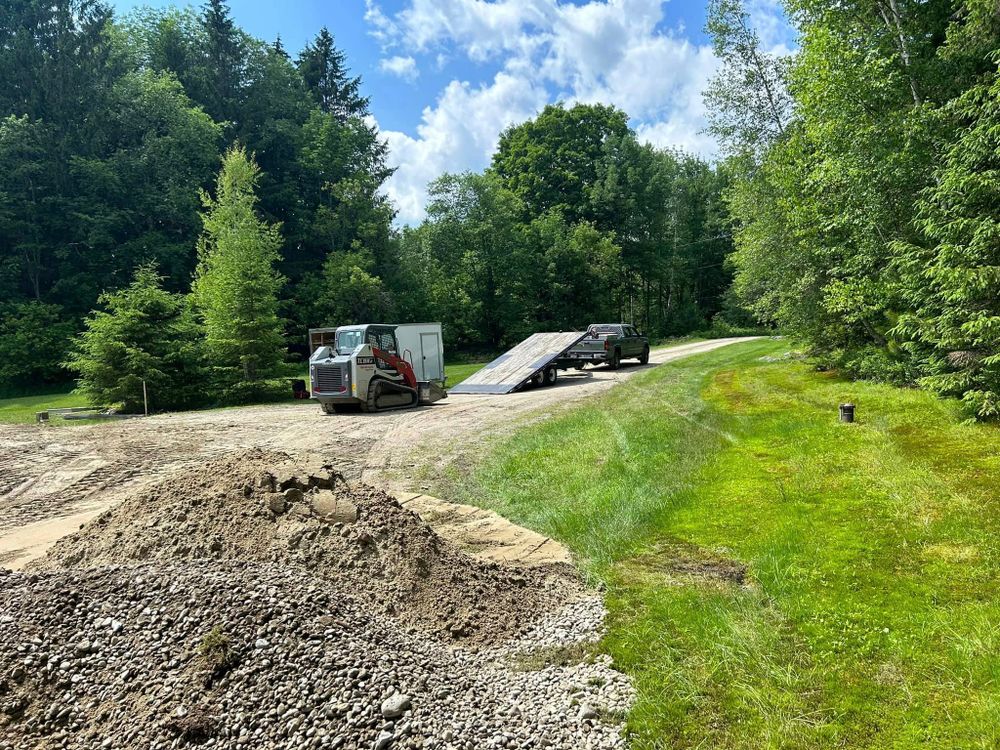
x=363, y=370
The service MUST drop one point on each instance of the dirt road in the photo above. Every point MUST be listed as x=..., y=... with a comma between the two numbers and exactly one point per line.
x=52, y=479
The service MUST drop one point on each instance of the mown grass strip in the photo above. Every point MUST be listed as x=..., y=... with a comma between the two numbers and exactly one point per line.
x=22, y=410
x=775, y=578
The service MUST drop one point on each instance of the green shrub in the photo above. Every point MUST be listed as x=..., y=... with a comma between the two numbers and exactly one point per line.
x=144, y=334
x=877, y=365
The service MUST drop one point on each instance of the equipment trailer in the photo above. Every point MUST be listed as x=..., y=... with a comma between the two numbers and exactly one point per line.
x=362, y=367
x=535, y=361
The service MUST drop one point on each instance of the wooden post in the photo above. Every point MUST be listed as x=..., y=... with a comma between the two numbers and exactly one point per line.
x=145, y=400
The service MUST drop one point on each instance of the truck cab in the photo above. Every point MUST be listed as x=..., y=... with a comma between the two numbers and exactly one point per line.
x=609, y=343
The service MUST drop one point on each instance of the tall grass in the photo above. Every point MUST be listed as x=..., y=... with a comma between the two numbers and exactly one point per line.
x=867, y=615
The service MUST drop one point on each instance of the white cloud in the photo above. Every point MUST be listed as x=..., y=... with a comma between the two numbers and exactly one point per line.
x=609, y=51
x=404, y=67
x=459, y=132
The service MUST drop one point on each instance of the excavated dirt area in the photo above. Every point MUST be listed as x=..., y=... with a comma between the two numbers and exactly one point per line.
x=253, y=602
x=52, y=479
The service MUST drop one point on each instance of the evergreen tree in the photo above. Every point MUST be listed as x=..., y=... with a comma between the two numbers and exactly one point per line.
x=324, y=69
x=144, y=334
x=279, y=48
x=236, y=285
x=953, y=285
x=225, y=51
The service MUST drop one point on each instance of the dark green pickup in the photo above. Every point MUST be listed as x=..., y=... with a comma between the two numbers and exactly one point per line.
x=608, y=343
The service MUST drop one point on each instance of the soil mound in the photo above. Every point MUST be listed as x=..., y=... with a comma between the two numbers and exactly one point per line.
x=261, y=507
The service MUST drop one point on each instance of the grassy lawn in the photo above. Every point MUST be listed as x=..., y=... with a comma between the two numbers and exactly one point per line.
x=459, y=371
x=22, y=410
x=774, y=578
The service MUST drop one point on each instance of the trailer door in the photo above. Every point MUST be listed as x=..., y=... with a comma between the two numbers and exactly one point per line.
x=430, y=349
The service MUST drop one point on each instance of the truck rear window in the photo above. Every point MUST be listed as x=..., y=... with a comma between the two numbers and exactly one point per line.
x=604, y=330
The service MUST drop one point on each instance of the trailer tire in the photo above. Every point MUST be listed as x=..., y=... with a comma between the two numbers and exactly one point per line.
x=644, y=357
x=551, y=375
x=615, y=360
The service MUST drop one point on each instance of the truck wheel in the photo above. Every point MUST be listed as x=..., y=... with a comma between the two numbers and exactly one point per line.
x=551, y=376
x=614, y=360
x=328, y=408
x=644, y=357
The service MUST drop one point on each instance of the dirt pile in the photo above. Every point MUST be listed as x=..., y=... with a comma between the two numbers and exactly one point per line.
x=259, y=506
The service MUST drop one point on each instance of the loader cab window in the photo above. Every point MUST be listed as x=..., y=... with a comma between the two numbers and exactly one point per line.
x=348, y=341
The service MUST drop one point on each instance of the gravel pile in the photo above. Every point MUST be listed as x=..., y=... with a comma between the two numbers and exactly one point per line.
x=222, y=632
x=260, y=506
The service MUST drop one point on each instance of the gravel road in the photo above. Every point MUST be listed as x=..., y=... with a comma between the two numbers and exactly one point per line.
x=53, y=479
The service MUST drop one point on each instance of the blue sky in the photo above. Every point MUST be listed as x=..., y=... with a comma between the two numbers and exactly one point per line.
x=446, y=76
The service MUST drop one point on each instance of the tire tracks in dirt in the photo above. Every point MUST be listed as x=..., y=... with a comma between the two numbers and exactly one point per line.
x=52, y=477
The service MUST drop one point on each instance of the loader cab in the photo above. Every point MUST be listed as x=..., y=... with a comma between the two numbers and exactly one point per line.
x=378, y=336
x=348, y=340
x=381, y=337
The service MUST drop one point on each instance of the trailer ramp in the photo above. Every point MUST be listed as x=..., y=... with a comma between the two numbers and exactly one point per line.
x=511, y=370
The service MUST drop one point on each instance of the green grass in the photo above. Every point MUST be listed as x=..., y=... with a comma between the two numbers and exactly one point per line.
x=459, y=371
x=775, y=579
x=22, y=410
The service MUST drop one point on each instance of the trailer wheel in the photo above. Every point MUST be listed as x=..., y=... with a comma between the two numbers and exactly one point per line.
x=551, y=376
x=644, y=357
x=615, y=360
x=537, y=379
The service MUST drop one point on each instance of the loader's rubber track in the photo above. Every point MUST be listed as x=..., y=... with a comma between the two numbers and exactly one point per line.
x=385, y=395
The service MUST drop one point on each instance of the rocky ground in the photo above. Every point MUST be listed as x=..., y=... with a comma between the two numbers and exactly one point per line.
x=253, y=603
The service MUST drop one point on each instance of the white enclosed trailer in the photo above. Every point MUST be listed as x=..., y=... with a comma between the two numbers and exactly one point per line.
x=421, y=345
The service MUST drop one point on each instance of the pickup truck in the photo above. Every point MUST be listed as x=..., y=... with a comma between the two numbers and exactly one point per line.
x=608, y=343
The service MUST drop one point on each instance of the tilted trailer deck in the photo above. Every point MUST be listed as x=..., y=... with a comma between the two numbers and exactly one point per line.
x=537, y=360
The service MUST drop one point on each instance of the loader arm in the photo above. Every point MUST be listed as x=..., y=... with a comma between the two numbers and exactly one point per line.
x=399, y=364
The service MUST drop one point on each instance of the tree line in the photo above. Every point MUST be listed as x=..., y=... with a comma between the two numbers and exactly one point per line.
x=117, y=225
x=864, y=192
x=111, y=130
x=574, y=222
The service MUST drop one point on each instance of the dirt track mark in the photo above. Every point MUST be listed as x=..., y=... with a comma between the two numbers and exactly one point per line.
x=50, y=472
